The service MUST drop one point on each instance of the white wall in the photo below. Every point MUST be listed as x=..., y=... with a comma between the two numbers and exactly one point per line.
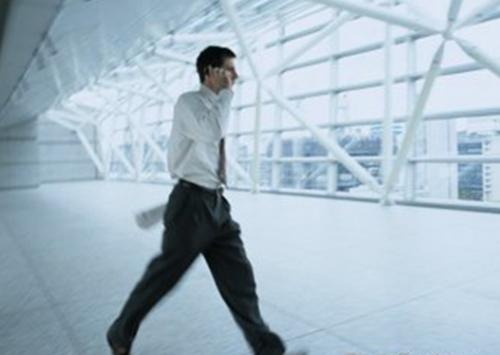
x=62, y=156
x=19, y=159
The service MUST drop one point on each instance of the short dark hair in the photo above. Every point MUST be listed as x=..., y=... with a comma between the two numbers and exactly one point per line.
x=212, y=56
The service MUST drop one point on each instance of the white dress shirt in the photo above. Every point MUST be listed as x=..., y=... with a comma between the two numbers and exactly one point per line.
x=200, y=122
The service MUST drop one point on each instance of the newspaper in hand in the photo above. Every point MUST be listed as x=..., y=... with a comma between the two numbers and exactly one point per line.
x=148, y=218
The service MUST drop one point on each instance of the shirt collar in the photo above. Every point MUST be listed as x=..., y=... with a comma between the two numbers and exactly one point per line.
x=206, y=91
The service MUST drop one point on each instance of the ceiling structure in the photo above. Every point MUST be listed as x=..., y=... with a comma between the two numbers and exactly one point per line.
x=53, y=48
x=66, y=44
x=20, y=40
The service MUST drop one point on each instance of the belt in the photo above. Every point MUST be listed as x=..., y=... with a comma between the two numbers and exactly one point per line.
x=193, y=186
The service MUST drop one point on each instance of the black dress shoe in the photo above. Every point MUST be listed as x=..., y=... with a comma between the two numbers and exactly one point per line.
x=116, y=348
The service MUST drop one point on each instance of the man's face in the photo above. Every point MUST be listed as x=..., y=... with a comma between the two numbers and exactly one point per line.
x=229, y=66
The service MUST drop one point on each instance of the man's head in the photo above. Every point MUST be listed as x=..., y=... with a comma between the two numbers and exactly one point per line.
x=215, y=57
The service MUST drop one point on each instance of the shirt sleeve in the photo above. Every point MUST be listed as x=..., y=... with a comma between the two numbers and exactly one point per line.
x=200, y=122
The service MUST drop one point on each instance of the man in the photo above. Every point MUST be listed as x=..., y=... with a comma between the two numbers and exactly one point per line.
x=197, y=218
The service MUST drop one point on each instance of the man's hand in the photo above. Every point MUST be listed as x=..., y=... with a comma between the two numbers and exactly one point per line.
x=220, y=77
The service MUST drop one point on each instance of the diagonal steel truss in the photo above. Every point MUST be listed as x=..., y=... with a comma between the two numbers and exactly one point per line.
x=166, y=79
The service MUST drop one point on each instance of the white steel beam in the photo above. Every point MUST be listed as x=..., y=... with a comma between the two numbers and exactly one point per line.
x=160, y=153
x=62, y=122
x=154, y=80
x=482, y=58
x=83, y=139
x=90, y=151
x=478, y=13
x=333, y=111
x=78, y=112
x=116, y=151
x=417, y=11
x=107, y=84
x=235, y=23
x=132, y=70
x=338, y=152
x=413, y=122
x=196, y=37
x=411, y=97
x=379, y=13
x=119, y=154
x=239, y=170
x=154, y=146
x=453, y=11
x=121, y=157
x=132, y=132
x=343, y=157
x=99, y=111
x=172, y=55
x=387, y=131
x=278, y=114
x=76, y=64
x=320, y=169
x=324, y=32
x=450, y=159
x=70, y=116
x=103, y=149
x=256, y=145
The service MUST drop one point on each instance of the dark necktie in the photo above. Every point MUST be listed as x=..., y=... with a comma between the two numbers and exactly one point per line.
x=221, y=169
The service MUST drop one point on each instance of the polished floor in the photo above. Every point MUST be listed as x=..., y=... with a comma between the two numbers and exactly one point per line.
x=336, y=277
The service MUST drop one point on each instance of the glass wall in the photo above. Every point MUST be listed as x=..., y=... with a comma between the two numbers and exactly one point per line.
x=338, y=86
